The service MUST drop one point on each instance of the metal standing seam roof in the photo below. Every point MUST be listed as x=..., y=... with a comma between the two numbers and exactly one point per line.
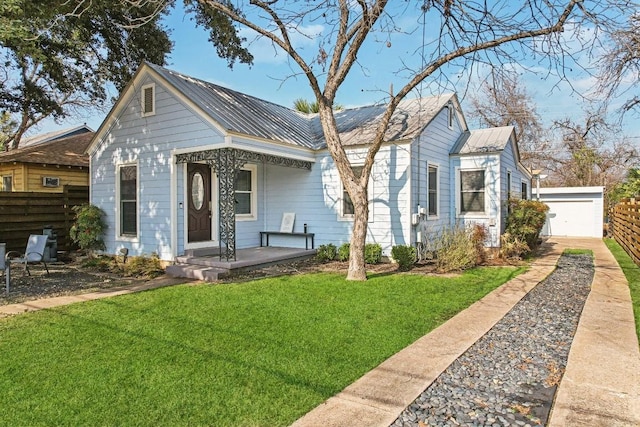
x=245, y=114
x=490, y=140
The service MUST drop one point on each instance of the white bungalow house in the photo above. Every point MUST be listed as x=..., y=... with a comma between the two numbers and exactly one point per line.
x=180, y=165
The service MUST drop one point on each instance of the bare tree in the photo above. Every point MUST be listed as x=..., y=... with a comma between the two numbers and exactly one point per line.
x=620, y=65
x=502, y=101
x=591, y=153
x=470, y=32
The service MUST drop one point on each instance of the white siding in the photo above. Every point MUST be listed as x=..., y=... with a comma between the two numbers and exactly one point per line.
x=149, y=140
x=316, y=199
x=490, y=163
x=433, y=147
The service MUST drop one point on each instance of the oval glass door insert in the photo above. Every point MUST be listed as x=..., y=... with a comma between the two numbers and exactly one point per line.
x=197, y=190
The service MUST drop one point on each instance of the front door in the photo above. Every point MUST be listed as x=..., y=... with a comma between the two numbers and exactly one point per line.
x=199, y=195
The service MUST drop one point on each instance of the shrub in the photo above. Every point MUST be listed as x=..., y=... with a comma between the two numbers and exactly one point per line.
x=343, y=252
x=88, y=229
x=137, y=266
x=404, y=255
x=326, y=252
x=372, y=253
x=512, y=247
x=141, y=266
x=525, y=221
x=455, y=249
x=479, y=235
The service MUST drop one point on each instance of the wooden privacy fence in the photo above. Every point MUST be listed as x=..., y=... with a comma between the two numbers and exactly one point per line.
x=24, y=213
x=624, y=224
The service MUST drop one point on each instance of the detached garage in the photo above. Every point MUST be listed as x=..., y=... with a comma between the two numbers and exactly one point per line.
x=573, y=211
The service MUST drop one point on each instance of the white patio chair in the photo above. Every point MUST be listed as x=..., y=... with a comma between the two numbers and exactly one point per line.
x=4, y=265
x=33, y=254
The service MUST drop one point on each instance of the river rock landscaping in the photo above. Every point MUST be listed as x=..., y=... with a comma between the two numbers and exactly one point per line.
x=509, y=376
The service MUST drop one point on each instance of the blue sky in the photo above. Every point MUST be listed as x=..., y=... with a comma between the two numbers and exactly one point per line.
x=274, y=78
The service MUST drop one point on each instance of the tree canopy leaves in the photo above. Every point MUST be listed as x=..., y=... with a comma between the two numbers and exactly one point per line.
x=59, y=55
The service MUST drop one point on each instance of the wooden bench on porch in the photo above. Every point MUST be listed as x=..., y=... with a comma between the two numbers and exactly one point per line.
x=307, y=237
x=286, y=229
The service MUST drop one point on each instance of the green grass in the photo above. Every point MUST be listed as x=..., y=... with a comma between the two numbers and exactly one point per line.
x=632, y=273
x=260, y=353
x=578, y=252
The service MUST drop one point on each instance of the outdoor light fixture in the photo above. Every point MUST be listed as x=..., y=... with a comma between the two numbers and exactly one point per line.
x=124, y=252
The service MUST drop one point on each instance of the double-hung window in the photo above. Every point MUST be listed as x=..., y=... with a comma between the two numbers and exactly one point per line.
x=7, y=183
x=472, y=191
x=128, y=200
x=348, y=209
x=432, y=185
x=525, y=191
x=245, y=193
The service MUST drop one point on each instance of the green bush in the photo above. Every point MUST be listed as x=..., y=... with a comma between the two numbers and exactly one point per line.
x=525, y=221
x=88, y=229
x=372, y=253
x=326, y=252
x=455, y=249
x=343, y=252
x=404, y=255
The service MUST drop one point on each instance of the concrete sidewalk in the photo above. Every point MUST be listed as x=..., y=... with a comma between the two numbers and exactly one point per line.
x=159, y=282
x=600, y=386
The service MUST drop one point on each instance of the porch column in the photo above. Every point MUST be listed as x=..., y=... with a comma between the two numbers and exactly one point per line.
x=226, y=165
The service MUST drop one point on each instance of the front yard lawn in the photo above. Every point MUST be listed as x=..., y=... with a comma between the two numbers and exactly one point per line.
x=260, y=353
x=632, y=273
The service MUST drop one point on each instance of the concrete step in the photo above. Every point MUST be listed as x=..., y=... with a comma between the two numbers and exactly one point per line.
x=198, y=272
x=212, y=251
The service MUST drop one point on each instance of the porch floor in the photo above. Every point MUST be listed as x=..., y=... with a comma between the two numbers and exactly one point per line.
x=211, y=267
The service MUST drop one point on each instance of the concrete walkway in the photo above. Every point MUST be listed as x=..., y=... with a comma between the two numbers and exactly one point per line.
x=159, y=282
x=601, y=385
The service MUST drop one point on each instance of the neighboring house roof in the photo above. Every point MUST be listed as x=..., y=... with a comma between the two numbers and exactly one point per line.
x=69, y=151
x=244, y=114
x=479, y=141
x=53, y=135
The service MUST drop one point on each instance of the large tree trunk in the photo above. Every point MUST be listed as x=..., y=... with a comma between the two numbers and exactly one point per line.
x=357, y=269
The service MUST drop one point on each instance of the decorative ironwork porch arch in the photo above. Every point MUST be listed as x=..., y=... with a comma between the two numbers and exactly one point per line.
x=226, y=162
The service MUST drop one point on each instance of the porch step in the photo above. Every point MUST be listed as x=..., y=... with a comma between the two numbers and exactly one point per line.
x=198, y=272
x=211, y=251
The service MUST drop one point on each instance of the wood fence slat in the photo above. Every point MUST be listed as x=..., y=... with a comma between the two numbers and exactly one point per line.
x=24, y=213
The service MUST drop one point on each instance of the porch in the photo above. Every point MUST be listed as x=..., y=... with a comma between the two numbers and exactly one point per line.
x=209, y=266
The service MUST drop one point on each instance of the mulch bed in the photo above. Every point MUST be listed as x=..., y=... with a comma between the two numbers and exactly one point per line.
x=68, y=278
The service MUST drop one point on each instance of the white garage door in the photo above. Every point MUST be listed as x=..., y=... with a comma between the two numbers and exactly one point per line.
x=570, y=218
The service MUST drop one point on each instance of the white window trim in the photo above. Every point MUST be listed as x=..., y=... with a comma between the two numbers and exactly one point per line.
x=120, y=237
x=431, y=217
x=349, y=217
x=509, y=184
x=153, y=100
x=253, y=216
x=458, y=191
x=450, y=115
x=9, y=175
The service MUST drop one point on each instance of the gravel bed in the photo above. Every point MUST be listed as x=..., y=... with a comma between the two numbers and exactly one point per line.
x=510, y=375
